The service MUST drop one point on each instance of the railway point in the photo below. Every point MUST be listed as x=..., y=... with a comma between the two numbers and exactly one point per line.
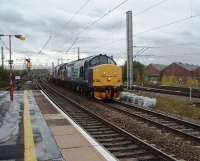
x=34, y=128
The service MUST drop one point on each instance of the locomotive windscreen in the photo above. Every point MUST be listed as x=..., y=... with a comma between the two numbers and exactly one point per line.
x=101, y=59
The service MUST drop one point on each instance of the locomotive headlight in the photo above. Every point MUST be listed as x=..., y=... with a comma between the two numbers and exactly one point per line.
x=109, y=79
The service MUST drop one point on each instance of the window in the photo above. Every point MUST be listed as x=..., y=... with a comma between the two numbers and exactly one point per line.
x=103, y=60
x=94, y=61
x=81, y=71
x=110, y=61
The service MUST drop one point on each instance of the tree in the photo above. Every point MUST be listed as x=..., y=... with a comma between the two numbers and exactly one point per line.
x=4, y=74
x=138, y=72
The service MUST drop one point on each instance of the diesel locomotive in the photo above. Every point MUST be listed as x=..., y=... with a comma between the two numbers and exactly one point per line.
x=97, y=76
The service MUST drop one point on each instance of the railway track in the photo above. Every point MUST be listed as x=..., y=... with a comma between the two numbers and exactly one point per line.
x=123, y=145
x=173, y=91
x=179, y=127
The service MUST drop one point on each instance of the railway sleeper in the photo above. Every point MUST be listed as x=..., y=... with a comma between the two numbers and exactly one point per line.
x=94, y=126
x=164, y=121
x=195, y=133
x=91, y=124
x=152, y=117
x=104, y=140
x=98, y=136
x=132, y=154
x=95, y=129
x=102, y=132
x=116, y=144
x=86, y=120
x=80, y=117
x=172, y=124
x=177, y=127
x=186, y=130
x=123, y=148
x=85, y=124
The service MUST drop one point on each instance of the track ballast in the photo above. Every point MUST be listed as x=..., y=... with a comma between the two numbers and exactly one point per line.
x=120, y=143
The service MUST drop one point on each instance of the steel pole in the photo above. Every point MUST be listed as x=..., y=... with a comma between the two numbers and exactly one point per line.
x=11, y=82
x=78, y=53
x=2, y=57
x=129, y=29
x=10, y=53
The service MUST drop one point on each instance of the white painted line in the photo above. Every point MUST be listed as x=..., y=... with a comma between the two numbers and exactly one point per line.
x=107, y=155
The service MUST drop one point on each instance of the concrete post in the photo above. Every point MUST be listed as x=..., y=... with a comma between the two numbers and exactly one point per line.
x=129, y=29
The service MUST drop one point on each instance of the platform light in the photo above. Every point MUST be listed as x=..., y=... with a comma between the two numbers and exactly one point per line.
x=21, y=37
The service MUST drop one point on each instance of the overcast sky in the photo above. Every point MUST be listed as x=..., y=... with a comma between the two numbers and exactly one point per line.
x=39, y=19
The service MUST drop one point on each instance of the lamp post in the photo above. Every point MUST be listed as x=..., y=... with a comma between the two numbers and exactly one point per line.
x=21, y=37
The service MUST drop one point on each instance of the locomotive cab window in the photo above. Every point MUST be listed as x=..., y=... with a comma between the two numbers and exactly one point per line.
x=111, y=61
x=102, y=59
x=94, y=61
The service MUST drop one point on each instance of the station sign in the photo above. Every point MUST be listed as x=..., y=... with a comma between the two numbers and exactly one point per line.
x=17, y=77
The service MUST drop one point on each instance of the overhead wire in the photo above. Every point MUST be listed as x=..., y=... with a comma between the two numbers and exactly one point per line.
x=75, y=14
x=45, y=44
x=52, y=35
x=137, y=34
x=167, y=24
x=4, y=44
x=155, y=28
x=139, y=13
x=98, y=19
x=95, y=22
x=150, y=7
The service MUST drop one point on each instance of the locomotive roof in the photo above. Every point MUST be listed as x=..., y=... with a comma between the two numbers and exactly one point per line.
x=83, y=59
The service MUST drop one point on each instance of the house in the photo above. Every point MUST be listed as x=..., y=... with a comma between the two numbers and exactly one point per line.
x=152, y=73
x=196, y=74
x=180, y=74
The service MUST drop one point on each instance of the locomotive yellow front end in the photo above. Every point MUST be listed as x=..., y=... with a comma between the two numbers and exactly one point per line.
x=107, y=81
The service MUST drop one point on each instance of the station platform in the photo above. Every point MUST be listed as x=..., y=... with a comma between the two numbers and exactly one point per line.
x=33, y=128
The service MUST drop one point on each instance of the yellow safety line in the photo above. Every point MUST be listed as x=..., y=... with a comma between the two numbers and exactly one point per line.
x=29, y=146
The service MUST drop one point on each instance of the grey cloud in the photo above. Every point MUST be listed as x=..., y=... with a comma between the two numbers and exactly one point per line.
x=38, y=19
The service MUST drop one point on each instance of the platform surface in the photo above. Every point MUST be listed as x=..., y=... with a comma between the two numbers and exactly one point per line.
x=24, y=134
x=31, y=128
x=73, y=145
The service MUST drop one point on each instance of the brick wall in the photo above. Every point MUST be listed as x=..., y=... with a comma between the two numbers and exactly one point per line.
x=196, y=72
x=152, y=71
x=180, y=75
